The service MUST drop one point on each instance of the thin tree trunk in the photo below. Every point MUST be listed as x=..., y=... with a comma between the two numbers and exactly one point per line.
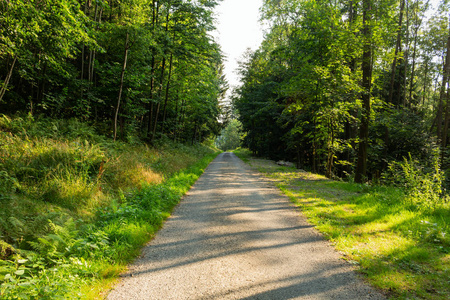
x=351, y=127
x=155, y=11
x=445, y=75
x=194, y=136
x=8, y=77
x=42, y=89
x=161, y=80
x=406, y=56
x=166, y=100
x=91, y=52
x=330, y=155
x=445, y=131
x=361, y=165
x=397, y=49
x=82, y=67
x=94, y=52
x=178, y=119
x=425, y=75
x=121, y=86
x=152, y=83
x=413, y=67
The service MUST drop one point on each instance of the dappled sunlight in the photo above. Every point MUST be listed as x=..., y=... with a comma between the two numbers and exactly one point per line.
x=396, y=246
x=386, y=223
x=235, y=236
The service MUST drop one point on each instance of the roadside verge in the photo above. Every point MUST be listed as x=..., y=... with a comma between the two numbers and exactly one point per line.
x=398, y=248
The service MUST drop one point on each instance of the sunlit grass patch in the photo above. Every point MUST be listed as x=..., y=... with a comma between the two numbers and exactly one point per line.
x=400, y=249
x=76, y=207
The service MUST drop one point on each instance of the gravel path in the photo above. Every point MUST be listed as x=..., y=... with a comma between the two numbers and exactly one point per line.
x=234, y=236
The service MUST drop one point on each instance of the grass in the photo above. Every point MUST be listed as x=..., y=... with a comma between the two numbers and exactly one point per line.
x=77, y=207
x=400, y=248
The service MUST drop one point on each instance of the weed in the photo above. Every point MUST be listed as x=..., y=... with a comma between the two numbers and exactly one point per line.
x=400, y=248
x=423, y=187
x=76, y=207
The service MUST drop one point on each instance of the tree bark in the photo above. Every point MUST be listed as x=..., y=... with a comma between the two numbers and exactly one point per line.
x=166, y=100
x=155, y=11
x=425, y=83
x=445, y=75
x=161, y=80
x=445, y=131
x=397, y=49
x=121, y=86
x=406, y=56
x=361, y=166
x=8, y=77
x=413, y=67
x=445, y=95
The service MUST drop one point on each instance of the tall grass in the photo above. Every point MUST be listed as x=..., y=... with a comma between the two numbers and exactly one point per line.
x=398, y=239
x=76, y=206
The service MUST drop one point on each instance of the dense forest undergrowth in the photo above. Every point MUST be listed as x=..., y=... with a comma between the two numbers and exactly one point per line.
x=399, y=245
x=77, y=206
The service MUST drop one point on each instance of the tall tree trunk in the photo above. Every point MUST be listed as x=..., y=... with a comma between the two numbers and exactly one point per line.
x=397, y=49
x=424, y=89
x=361, y=165
x=125, y=57
x=445, y=130
x=176, y=119
x=91, y=52
x=8, y=77
x=150, y=108
x=413, y=67
x=179, y=118
x=155, y=11
x=351, y=127
x=166, y=100
x=98, y=18
x=82, y=65
x=42, y=80
x=194, y=136
x=330, y=155
x=406, y=56
x=445, y=75
x=161, y=81
x=444, y=94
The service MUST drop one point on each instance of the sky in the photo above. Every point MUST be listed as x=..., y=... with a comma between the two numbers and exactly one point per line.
x=238, y=28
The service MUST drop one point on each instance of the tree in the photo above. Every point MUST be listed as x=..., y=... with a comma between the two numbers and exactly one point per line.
x=230, y=136
x=361, y=167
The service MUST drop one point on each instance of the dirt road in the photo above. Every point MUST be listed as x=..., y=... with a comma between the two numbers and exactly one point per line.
x=235, y=237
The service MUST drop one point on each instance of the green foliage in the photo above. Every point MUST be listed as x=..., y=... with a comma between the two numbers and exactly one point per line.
x=424, y=187
x=80, y=209
x=400, y=248
x=230, y=137
x=64, y=59
x=301, y=97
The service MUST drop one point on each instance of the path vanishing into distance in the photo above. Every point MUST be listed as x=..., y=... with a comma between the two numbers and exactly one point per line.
x=234, y=236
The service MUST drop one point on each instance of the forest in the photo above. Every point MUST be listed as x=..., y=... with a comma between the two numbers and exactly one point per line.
x=355, y=90
x=108, y=111
x=142, y=68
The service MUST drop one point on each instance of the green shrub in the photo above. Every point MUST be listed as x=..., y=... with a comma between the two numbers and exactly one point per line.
x=422, y=185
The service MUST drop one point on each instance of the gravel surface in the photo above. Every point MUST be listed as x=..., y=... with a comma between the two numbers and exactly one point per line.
x=234, y=236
